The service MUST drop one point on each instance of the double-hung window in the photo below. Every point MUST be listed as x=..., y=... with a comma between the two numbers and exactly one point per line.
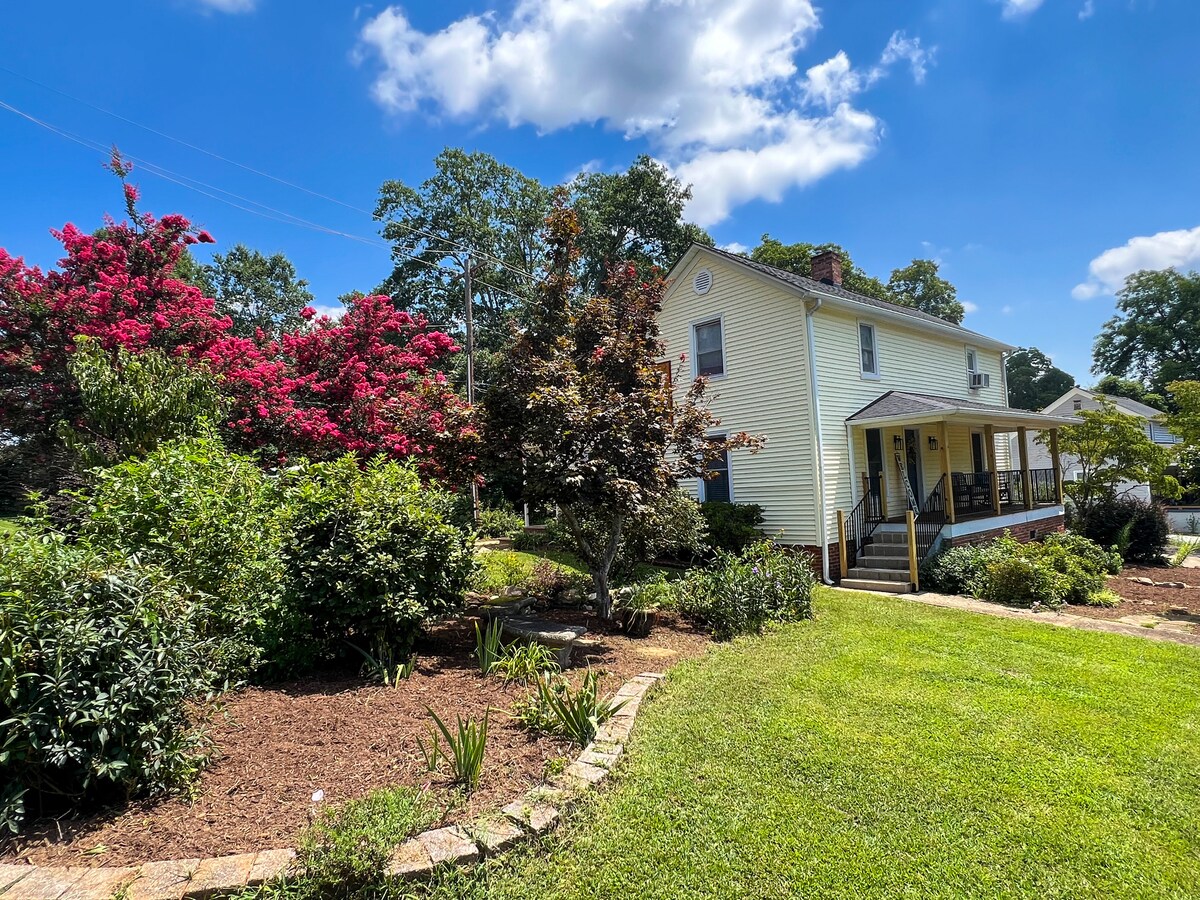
x=710, y=350
x=868, y=350
x=717, y=487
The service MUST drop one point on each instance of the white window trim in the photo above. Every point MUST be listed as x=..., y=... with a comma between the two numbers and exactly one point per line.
x=878, y=373
x=701, y=484
x=692, y=326
x=968, y=353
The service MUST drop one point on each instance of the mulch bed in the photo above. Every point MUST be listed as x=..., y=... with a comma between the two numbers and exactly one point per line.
x=1182, y=604
x=276, y=746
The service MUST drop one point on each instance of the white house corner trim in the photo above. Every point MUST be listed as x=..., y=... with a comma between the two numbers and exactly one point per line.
x=818, y=440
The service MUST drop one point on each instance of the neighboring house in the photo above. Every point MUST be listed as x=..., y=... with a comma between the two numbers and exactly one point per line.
x=869, y=410
x=1078, y=399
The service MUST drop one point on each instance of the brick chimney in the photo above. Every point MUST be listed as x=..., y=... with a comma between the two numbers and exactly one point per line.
x=827, y=267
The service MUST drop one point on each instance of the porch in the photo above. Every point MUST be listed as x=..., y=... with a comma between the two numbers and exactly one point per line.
x=940, y=469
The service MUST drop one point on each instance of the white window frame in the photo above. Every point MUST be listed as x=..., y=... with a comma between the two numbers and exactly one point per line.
x=702, y=486
x=878, y=373
x=972, y=353
x=692, y=326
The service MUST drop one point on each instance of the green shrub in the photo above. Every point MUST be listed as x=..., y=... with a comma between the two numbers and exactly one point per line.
x=673, y=527
x=97, y=659
x=557, y=583
x=1140, y=531
x=524, y=661
x=495, y=522
x=1083, y=564
x=369, y=557
x=348, y=847
x=531, y=541
x=500, y=569
x=958, y=570
x=1020, y=580
x=745, y=593
x=216, y=521
x=731, y=526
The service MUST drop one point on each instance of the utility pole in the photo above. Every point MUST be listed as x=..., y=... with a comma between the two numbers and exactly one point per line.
x=470, y=316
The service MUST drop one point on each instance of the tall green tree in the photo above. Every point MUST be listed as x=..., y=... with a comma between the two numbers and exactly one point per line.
x=256, y=291
x=797, y=258
x=1033, y=380
x=1155, y=335
x=581, y=413
x=633, y=216
x=1110, y=448
x=472, y=202
x=919, y=286
x=1114, y=386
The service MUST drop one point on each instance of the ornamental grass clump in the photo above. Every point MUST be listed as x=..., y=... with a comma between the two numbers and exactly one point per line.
x=555, y=708
x=464, y=748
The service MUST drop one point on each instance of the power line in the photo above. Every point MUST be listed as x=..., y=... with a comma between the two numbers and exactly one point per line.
x=264, y=211
x=427, y=234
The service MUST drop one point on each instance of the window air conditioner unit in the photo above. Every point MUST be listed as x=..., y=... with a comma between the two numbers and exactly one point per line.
x=979, y=380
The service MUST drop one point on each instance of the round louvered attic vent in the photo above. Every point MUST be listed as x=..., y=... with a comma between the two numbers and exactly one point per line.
x=702, y=282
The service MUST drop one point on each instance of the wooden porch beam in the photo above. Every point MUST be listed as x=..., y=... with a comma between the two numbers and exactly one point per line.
x=989, y=438
x=944, y=441
x=1026, y=482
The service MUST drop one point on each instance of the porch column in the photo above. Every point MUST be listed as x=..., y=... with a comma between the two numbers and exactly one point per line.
x=1057, y=463
x=944, y=441
x=989, y=438
x=1026, y=481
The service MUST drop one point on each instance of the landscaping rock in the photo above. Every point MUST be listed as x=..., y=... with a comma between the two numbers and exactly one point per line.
x=580, y=776
x=44, y=884
x=162, y=880
x=410, y=860
x=270, y=864
x=100, y=884
x=593, y=756
x=495, y=834
x=537, y=817
x=221, y=875
x=10, y=875
x=450, y=845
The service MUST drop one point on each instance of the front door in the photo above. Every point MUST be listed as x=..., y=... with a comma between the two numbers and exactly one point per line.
x=912, y=461
x=875, y=465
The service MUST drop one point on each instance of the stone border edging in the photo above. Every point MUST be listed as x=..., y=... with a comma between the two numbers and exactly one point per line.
x=536, y=812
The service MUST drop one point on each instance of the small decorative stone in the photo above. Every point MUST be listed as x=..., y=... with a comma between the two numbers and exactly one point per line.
x=270, y=864
x=614, y=731
x=596, y=758
x=495, y=834
x=545, y=793
x=165, y=880
x=449, y=845
x=411, y=860
x=580, y=776
x=1149, y=582
x=100, y=884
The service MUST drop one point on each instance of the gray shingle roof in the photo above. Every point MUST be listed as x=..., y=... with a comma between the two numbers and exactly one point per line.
x=811, y=284
x=1132, y=406
x=905, y=403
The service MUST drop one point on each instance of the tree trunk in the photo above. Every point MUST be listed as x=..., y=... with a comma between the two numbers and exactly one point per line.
x=598, y=558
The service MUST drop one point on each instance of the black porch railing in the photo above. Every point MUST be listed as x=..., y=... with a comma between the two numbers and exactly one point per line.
x=931, y=519
x=861, y=523
x=1043, y=486
x=972, y=493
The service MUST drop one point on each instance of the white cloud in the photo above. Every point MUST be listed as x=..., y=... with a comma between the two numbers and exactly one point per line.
x=735, y=247
x=1018, y=9
x=1006, y=309
x=712, y=85
x=230, y=6
x=1087, y=10
x=970, y=307
x=1165, y=250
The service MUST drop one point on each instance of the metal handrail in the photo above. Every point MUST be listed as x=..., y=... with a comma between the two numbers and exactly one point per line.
x=861, y=523
x=931, y=520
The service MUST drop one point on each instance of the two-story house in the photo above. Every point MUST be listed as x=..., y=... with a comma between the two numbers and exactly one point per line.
x=1079, y=399
x=886, y=428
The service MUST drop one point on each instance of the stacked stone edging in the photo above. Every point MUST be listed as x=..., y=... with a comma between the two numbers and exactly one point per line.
x=538, y=810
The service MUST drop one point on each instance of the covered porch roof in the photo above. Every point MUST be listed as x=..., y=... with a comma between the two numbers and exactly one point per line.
x=908, y=408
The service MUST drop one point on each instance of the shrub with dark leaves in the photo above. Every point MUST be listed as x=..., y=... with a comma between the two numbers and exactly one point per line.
x=731, y=526
x=1140, y=531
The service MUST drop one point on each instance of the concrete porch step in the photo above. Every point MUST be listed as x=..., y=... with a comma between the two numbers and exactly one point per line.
x=872, y=574
x=882, y=560
x=884, y=587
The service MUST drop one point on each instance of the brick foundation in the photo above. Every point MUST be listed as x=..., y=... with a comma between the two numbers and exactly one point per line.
x=813, y=552
x=1025, y=532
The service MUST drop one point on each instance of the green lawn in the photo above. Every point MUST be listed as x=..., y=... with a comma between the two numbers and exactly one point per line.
x=889, y=749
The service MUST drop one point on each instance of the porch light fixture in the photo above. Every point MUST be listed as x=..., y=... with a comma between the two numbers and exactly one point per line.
x=933, y=443
x=898, y=442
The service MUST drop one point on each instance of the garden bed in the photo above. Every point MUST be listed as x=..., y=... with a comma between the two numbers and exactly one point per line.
x=1141, y=603
x=276, y=746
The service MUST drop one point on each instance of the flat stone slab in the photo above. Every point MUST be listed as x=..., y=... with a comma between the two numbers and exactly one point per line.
x=537, y=817
x=270, y=864
x=220, y=875
x=555, y=635
x=495, y=834
x=100, y=884
x=410, y=860
x=449, y=845
x=162, y=880
x=44, y=884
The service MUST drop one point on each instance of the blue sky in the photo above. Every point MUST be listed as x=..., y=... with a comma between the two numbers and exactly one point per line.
x=1041, y=149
